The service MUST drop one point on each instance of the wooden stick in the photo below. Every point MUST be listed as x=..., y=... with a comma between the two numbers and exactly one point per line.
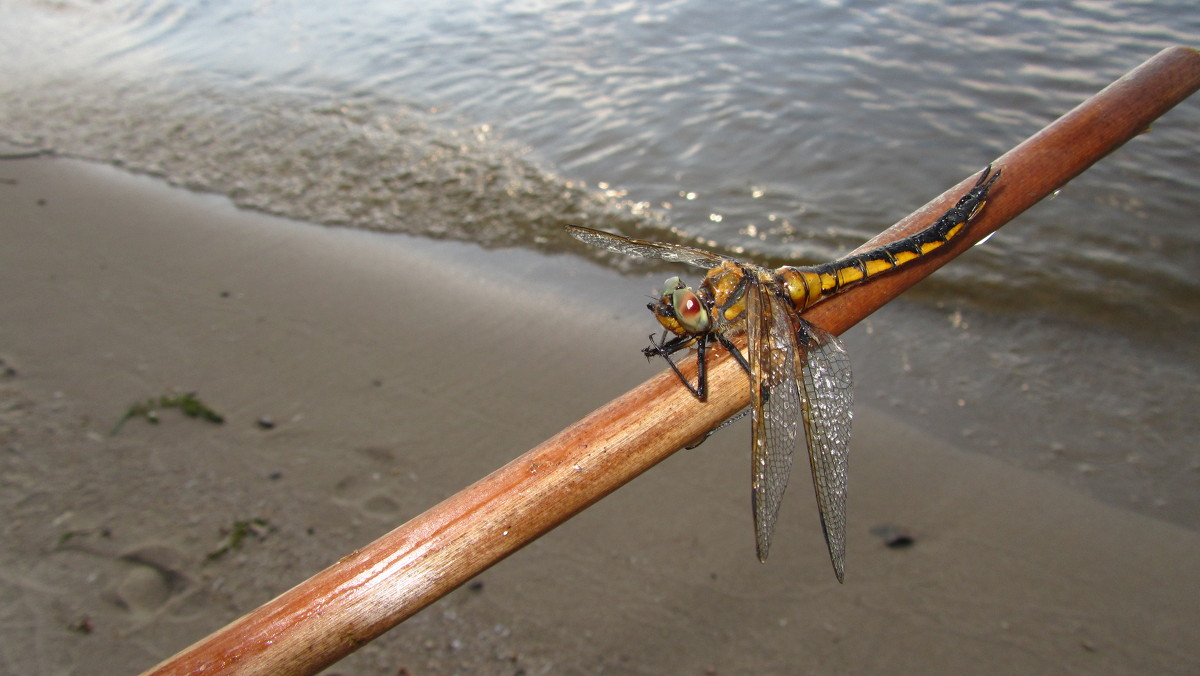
x=371, y=590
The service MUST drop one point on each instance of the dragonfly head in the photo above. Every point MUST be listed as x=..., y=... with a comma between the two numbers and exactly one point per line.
x=680, y=310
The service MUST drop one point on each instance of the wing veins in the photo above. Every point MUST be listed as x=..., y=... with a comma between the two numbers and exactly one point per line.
x=775, y=401
x=828, y=399
x=673, y=253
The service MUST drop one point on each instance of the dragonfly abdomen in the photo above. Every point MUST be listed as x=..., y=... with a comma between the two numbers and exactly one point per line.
x=808, y=285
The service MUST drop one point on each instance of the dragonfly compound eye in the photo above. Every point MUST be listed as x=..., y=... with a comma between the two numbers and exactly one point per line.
x=689, y=310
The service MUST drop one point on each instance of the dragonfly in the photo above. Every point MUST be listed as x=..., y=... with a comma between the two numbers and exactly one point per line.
x=799, y=373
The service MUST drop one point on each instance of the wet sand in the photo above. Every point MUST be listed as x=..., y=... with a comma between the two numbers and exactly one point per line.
x=364, y=378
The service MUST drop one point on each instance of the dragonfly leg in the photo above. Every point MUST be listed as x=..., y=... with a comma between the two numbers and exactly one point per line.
x=704, y=437
x=737, y=354
x=665, y=348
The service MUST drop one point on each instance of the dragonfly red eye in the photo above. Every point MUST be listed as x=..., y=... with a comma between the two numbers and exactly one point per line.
x=689, y=310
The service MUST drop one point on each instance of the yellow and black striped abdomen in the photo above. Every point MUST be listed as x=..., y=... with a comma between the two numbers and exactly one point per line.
x=808, y=285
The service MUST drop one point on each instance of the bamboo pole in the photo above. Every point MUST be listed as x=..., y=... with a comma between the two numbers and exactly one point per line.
x=371, y=590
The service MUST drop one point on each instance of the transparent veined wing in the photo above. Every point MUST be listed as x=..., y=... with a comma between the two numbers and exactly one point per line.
x=674, y=253
x=775, y=403
x=828, y=401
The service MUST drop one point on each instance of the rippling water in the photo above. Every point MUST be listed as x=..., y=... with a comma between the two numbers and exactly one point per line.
x=784, y=131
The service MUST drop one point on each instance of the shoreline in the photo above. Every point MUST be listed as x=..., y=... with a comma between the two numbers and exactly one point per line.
x=398, y=371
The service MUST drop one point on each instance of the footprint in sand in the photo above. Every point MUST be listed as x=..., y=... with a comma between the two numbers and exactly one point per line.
x=369, y=490
x=143, y=590
x=380, y=504
x=155, y=575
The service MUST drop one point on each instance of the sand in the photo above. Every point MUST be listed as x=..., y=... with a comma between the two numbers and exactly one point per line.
x=363, y=378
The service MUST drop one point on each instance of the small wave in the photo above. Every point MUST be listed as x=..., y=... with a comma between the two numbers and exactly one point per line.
x=358, y=162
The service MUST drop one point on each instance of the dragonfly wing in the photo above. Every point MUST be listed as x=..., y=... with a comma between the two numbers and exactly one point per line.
x=775, y=402
x=674, y=253
x=828, y=400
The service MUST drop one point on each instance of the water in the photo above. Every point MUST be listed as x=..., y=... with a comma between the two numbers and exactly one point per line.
x=782, y=131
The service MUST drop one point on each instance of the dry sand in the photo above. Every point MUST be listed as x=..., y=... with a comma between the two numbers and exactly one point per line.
x=397, y=371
